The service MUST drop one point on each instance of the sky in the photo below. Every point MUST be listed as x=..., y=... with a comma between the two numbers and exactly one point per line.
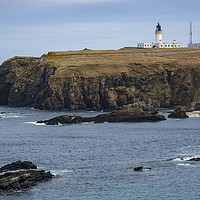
x=35, y=27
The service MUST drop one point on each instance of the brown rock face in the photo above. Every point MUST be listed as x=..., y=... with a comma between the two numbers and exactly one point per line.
x=30, y=82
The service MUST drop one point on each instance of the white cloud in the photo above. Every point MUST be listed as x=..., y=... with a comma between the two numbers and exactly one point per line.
x=58, y=2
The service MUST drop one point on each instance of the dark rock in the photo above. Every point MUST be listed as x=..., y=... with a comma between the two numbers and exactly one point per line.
x=178, y=114
x=18, y=165
x=128, y=115
x=123, y=115
x=141, y=169
x=64, y=119
x=194, y=159
x=23, y=179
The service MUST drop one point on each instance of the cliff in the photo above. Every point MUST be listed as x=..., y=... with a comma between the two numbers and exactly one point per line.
x=103, y=79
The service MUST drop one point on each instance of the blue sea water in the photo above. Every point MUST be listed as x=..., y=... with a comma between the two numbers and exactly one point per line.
x=96, y=161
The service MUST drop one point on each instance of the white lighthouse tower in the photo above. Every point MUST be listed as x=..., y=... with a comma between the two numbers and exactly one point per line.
x=158, y=34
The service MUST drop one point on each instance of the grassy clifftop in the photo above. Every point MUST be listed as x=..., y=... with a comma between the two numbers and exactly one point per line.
x=93, y=63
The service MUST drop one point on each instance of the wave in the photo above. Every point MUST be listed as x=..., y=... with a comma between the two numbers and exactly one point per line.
x=10, y=115
x=183, y=164
x=61, y=172
x=186, y=158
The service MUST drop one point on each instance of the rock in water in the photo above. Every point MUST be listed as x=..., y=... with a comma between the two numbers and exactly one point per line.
x=123, y=115
x=128, y=115
x=194, y=159
x=20, y=180
x=64, y=119
x=141, y=169
x=18, y=165
x=178, y=114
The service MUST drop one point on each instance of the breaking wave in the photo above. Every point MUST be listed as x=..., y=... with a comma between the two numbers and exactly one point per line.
x=186, y=158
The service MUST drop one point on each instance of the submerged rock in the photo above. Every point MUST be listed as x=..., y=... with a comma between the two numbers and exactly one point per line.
x=123, y=115
x=23, y=179
x=194, y=159
x=140, y=169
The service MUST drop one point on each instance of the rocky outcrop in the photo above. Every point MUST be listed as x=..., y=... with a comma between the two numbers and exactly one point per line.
x=33, y=82
x=18, y=165
x=141, y=169
x=124, y=115
x=194, y=159
x=23, y=179
x=178, y=114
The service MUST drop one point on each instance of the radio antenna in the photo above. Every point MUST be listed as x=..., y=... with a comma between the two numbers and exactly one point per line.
x=190, y=32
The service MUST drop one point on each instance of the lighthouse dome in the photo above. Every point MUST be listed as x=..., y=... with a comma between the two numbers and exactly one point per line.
x=158, y=27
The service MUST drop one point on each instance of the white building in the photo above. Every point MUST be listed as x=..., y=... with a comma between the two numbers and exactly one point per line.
x=194, y=45
x=158, y=41
x=145, y=45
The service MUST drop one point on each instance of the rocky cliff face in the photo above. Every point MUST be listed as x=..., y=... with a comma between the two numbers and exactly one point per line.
x=30, y=82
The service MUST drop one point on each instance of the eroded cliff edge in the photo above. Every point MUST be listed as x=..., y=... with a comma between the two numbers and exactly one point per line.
x=91, y=80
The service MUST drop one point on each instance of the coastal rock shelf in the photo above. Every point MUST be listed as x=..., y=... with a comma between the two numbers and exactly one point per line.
x=21, y=175
x=178, y=114
x=123, y=115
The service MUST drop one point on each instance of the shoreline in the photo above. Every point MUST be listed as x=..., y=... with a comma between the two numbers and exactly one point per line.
x=196, y=112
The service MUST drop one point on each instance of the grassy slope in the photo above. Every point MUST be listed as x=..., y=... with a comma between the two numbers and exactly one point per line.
x=93, y=63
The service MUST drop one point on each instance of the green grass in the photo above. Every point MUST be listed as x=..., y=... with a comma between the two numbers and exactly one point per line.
x=92, y=63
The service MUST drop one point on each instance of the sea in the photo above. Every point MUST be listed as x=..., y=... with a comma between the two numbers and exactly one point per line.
x=94, y=161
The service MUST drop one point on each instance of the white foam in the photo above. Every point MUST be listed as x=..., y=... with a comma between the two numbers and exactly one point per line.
x=60, y=172
x=10, y=115
x=183, y=164
x=186, y=158
x=194, y=115
x=146, y=169
x=35, y=123
x=85, y=123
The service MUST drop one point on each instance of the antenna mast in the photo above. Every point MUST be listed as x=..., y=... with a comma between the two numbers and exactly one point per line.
x=190, y=32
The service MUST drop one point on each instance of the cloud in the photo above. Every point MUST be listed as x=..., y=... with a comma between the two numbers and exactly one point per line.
x=77, y=1
x=64, y=2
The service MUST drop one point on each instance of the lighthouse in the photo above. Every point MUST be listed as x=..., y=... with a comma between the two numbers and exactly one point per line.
x=158, y=34
x=158, y=41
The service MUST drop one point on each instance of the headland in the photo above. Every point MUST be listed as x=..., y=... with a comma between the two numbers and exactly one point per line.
x=103, y=79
